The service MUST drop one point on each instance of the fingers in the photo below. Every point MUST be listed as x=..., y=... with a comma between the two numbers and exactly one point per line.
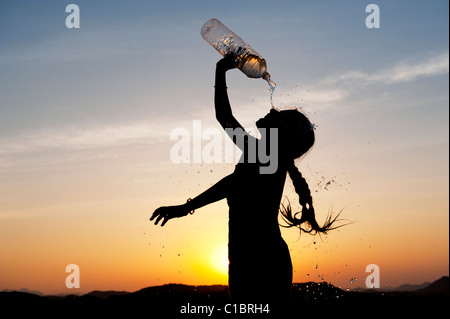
x=156, y=213
x=231, y=60
x=227, y=62
x=159, y=215
x=159, y=219
x=166, y=219
x=229, y=56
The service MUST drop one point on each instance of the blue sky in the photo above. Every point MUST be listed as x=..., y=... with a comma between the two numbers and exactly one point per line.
x=86, y=114
x=145, y=45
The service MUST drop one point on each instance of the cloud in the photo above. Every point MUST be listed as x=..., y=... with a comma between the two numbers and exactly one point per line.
x=401, y=72
x=318, y=96
x=328, y=94
x=83, y=138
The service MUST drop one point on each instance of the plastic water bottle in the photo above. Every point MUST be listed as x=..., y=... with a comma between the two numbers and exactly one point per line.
x=226, y=41
x=247, y=59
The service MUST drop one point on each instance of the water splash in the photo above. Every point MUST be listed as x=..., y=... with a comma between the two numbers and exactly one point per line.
x=272, y=86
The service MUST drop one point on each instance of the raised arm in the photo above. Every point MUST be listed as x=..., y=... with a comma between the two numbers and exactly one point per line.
x=213, y=194
x=222, y=105
x=221, y=102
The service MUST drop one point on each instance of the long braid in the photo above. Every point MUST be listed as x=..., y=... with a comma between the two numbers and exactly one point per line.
x=308, y=216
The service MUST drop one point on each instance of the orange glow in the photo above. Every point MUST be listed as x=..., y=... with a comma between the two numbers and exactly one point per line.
x=219, y=259
x=121, y=251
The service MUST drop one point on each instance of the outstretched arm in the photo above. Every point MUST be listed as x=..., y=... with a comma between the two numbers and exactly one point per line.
x=213, y=194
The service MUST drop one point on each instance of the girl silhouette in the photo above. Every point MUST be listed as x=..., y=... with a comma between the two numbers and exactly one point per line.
x=260, y=267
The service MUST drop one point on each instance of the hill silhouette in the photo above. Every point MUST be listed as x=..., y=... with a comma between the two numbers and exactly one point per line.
x=440, y=286
x=408, y=287
x=315, y=299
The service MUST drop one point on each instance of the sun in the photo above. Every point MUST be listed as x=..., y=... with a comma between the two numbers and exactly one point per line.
x=219, y=259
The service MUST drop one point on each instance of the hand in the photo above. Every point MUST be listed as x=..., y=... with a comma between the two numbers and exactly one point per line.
x=227, y=63
x=168, y=212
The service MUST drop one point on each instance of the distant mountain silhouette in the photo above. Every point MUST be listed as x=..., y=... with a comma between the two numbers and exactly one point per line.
x=308, y=299
x=178, y=288
x=35, y=292
x=408, y=287
x=440, y=286
x=106, y=294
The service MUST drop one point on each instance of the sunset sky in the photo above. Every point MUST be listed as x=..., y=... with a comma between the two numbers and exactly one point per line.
x=86, y=116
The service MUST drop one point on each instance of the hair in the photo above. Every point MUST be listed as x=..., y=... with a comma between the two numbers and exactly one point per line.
x=305, y=219
x=301, y=138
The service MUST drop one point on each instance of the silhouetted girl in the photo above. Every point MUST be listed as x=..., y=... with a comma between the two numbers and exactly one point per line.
x=260, y=267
